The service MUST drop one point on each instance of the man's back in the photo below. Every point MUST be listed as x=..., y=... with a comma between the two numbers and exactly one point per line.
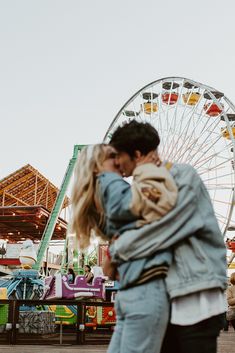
x=191, y=229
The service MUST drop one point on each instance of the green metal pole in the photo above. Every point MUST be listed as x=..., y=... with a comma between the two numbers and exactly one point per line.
x=75, y=261
x=49, y=229
x=64, y=264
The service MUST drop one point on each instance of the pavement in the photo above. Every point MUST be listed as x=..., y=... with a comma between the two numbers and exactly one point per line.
x=53, y=349
x=226, y=344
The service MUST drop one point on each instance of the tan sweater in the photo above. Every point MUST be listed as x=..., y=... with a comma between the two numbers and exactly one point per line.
x=231, y=296
x=154, y=192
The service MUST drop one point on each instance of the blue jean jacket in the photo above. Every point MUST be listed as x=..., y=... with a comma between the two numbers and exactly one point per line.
x=191, y=230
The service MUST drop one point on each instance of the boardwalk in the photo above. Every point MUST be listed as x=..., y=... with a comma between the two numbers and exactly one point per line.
x=226, y=344
x=53, y=349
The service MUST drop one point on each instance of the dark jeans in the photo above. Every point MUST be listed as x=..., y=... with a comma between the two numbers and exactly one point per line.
x=198, y=338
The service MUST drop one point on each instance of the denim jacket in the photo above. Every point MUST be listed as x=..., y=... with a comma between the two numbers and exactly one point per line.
x=191, y=230
x=116, y=198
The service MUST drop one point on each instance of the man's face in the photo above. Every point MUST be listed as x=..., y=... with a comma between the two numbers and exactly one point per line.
x=125, y=163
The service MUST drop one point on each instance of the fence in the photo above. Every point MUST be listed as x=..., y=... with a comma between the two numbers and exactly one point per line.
x=56, y=322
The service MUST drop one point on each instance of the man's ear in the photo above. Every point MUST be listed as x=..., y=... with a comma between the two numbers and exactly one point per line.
x=138, y=156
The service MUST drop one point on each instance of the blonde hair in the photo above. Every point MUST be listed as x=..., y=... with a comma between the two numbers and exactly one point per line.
x=232, y=278
x=87, y=211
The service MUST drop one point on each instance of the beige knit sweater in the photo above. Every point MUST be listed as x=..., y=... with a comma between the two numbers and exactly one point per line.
x=154, y=192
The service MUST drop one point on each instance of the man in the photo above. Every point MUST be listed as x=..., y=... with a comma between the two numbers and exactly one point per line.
x=197, y=278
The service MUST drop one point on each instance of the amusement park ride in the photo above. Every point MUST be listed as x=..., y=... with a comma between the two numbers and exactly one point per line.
x=196, y=124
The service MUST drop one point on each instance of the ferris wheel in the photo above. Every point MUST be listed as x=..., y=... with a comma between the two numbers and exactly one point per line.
x=196, y=124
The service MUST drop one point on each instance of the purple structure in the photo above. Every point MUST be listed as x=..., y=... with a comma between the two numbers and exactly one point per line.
x=58, y=287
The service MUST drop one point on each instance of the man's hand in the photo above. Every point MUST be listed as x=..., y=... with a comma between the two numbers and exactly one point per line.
x=151, y=157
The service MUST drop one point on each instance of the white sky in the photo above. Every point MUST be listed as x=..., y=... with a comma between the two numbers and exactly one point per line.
x=67, y=66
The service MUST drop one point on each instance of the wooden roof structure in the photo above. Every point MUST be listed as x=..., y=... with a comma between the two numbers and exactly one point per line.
x=26, y=201
x=18, y=223
x=28, y=187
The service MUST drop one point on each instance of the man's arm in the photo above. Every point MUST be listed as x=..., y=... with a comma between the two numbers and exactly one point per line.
x=171, y=229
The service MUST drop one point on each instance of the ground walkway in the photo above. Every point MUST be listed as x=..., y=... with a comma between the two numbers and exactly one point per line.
x=226, y=344
x=54, y=349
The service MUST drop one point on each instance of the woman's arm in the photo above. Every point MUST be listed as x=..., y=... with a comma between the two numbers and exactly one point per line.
x=110, y=269
x=116, y=197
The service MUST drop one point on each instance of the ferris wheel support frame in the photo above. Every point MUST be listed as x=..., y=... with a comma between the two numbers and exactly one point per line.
x=213, y=98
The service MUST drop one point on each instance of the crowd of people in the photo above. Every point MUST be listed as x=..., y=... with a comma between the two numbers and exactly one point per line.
x=166, y=248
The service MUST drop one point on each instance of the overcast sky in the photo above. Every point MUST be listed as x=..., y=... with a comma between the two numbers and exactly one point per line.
x=67, y=66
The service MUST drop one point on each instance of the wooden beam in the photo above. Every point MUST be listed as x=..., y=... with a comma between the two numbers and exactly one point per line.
x=35, y=189
x=16, y=198
x=21, y=179
x=45, y=188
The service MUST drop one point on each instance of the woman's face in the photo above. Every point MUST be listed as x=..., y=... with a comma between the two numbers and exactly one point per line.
x=109, y=164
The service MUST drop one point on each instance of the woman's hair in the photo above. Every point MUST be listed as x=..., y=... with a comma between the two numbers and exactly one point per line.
x=87, y=211
x=232, y=278
x=89, y=267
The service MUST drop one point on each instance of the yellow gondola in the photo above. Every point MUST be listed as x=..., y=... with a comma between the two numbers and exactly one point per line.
x=149, y=107
x=226, y=134
x=191, y=98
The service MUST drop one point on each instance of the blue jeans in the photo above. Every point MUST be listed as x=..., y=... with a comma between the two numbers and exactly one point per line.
x=142, y=317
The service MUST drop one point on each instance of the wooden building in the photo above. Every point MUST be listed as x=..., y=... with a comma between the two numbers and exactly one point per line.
x=26, y=201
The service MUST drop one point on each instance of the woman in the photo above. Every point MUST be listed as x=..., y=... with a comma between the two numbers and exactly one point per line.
x=71, y=275
x=103, y=203
x=88, y=274
x=231, y=300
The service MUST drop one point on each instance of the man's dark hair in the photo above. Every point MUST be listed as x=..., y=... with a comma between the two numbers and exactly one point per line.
x=134, y=136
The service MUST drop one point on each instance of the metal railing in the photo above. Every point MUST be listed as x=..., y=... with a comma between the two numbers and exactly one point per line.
x=56, y=322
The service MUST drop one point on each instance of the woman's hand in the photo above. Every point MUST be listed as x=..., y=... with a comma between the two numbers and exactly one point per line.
x=110, y=269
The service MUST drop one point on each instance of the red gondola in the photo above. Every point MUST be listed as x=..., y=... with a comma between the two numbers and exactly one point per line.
x=170, y=98
x=212, y=109
x=231, y=245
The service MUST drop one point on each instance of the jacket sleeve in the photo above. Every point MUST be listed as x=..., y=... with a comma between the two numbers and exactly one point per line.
x=230, y=298
x=164, y=233
x=116, y=197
